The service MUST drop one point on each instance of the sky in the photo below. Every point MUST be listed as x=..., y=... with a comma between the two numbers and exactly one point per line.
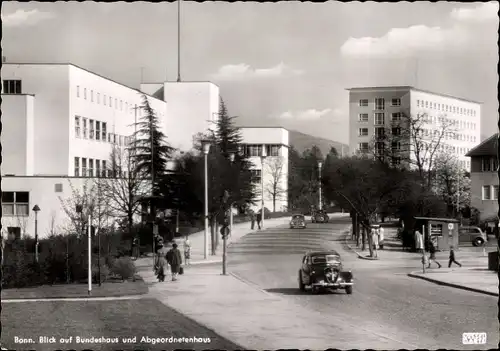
x=277, y=64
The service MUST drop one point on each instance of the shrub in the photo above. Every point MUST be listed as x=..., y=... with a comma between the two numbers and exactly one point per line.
x=104, y=272
x=124, y=267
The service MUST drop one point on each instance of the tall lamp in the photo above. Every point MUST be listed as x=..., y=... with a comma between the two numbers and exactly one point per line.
x=263, y=156
x=206, y=150
x=36, y=209
x=320, y=164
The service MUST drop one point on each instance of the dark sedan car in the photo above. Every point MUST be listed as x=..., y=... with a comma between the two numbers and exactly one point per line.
x=322, y=270
x=298, y=221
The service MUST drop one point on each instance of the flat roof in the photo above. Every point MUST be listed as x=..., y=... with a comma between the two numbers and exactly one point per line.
x=84, y=69
x=264, y=127
x=3, y=94
x=408, y=87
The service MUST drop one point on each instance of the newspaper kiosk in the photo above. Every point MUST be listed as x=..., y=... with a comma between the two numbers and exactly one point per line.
x=443, y=232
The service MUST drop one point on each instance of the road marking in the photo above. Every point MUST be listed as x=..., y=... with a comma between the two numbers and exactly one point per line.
x=74, y=299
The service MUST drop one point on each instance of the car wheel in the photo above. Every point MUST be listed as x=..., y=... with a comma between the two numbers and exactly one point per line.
x=478, y=242
x=302, y=286
x=348, y=290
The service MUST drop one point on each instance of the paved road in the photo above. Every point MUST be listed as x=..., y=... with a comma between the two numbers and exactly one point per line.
x=385, y=301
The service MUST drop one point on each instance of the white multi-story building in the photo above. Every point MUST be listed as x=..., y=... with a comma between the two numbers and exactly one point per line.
x=273, y=143
x=372, y=110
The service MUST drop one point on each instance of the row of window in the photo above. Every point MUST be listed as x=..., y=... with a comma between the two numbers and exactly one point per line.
x=15, y=203
x=256, y=150
x=97, y=130
x=11, y=86
x=256, y=175
x=380, y=103
x=446, y=108
x=106, y=100
x=396, y=145
x=490, y=192
x=89, y=167
x=489, y=164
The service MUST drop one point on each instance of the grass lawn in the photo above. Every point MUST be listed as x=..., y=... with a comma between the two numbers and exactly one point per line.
x=103, y=319
x=109, y=288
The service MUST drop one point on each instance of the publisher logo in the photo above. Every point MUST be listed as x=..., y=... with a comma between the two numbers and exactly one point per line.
x=474, y=338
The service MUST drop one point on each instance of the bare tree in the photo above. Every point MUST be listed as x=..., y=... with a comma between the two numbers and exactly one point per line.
x=274, y=187
x=414, y=141
x=124, y=187
x=92, y=201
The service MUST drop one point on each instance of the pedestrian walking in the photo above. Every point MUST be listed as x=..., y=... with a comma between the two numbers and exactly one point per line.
x=158, y=240
x=419, y=241
x=161, y=268
x=187, y=250
x=252, y=219
x=432, y=252
x=374, y=235
x=381, y=238
x=259, y=219
x=452, y=258
x=174, y=259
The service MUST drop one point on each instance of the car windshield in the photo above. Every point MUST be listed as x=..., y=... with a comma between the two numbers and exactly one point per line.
x=326, y=259
x=298, y=217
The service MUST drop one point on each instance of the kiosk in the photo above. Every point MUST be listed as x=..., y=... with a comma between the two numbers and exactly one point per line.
x=443, y=232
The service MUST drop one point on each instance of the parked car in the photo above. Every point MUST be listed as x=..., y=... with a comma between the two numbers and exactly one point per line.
x=322, y=270
x=473, y=235
x=298, y=221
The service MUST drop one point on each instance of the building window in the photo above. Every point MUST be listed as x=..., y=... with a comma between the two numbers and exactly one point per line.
x=486, y=192
x=116, y=103
x=418, y=103
x=97, y=168
x=12, y=86
x=426, y=104
x=104, y=99
x=103, y=171
x=379, y=104
x=121, y=105
x=254, y=150
x=97, y=130
x=272, y=150
x=110, y=173
x=363, y=147
x=363, y=131
x=103, y=134
x=256, y=175
x=396, y=146
x=84, y=167
x=396, y=161
x=98, y=98
x=77, y=91
x=58, y=188
x=396, y=102
x=77, y=126
x=379, y=133
x=396, y=131
x=379, y=118
x=363, y=102
x=487, y=164
x=110, y=136
x=84, y=128
x=77, y=166
x=363, y=117
x=115, y=139
x=85, y=93
x=121, y=140
x=494, y=192
x=91, y=167
x=91, y=96
x=91, y=127
x=396, y=116
x=15, y=203
x=110, y=102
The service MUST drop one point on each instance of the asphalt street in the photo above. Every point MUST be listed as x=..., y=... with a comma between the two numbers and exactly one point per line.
x=385, y=301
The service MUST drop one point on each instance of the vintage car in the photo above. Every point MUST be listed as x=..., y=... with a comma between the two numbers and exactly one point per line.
x=473, y=235
x=322, y=270
x=319, y=216
x=298, y=221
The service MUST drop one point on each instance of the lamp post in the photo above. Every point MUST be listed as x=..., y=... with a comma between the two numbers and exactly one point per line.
x=320, y=164
x=263, y=156
x=36, y=209
x=206, y=150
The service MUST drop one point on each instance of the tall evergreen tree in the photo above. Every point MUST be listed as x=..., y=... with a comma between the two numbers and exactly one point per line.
x=149, y=149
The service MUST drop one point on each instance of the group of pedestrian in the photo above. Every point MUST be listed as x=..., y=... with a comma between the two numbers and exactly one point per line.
x=171, y=257
x=255, y=218
x=419, y=240
x=377, y=234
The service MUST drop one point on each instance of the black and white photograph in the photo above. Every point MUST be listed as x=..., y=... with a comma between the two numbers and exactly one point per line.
x=249, y=175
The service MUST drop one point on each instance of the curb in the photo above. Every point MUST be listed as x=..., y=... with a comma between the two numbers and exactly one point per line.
x=253, y=285
x=357, y=253
x=457, y=286
x=73, y=299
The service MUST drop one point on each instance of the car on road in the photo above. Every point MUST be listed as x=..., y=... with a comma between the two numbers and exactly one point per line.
x=319, y=216
x=298, y=221
x=322, y=270
x=472, y=235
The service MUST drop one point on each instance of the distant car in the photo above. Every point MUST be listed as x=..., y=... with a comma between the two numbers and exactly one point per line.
x=322, y=270
x=319, y=217
x=298, y=221
x=473, y=235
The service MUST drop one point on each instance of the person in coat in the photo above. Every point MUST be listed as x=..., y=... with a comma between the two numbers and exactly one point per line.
x=259, y=219
x=187, y=250
x=174, y=259
x=452, y=258
x=432, y=252
x=161, y=268
x=252, y=219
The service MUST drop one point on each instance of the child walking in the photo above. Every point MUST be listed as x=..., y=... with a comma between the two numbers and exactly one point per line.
x=452, y=258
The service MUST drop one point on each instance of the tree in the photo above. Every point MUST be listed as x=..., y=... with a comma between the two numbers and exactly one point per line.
x=274, y=187
x=125, y=186
x=149, y=150
x=414, y=141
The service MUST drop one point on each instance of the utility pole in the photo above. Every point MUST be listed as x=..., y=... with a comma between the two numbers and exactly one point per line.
x=178, y=40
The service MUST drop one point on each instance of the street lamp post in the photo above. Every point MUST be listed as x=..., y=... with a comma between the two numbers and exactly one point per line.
x=320, y=164
x=206, y=150
x=262, y=159
x=36, y=209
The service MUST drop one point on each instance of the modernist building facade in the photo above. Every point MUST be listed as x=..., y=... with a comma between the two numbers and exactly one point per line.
x=373, y=110
x=484, y=178
x=61, y=122
x=273, y=144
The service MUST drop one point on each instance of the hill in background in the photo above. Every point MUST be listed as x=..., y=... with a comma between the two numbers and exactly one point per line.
x=302, y=142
